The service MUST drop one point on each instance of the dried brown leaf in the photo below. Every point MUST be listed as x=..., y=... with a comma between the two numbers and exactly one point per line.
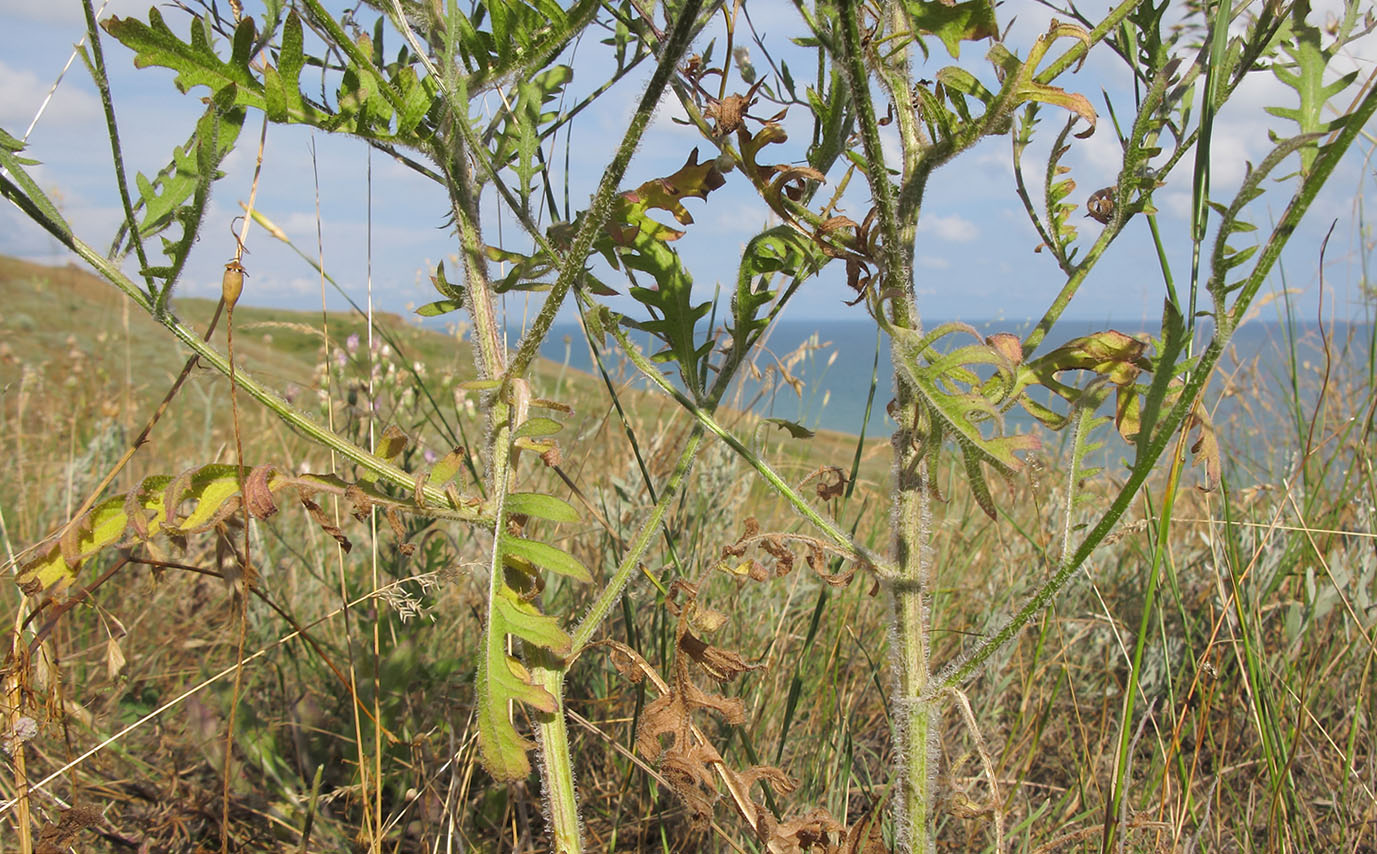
x=318, y=516
x=721, y=664
x=810, y=832
x=258, y=498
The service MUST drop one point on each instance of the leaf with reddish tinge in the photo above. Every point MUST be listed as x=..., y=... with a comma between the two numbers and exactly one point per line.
x=1020, y=76
x=194, y=501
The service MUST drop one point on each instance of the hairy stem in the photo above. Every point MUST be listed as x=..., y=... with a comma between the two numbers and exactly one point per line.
x=597, y=214
x=914, y=717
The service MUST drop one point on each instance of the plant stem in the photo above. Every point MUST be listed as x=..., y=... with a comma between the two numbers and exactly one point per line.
x=597, y=214
x=102, y=80
x=612, y=590
x=705, y=418
x=1163, y=534
x=383, y=469
x=560, y=796
x=556, y=767
x=914, y=717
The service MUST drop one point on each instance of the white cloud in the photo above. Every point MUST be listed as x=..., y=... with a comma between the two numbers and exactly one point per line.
x=889, y=145
x=670, y=118
x=301, y=286
x=932, y=262
x=48, y=12
x=22, y=93
x=952, y=228
x=1177, y=202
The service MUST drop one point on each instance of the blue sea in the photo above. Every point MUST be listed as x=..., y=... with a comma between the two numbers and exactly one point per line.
x=821, y=374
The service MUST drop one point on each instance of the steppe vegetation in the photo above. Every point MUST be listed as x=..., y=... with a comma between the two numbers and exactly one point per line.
x=368, y=587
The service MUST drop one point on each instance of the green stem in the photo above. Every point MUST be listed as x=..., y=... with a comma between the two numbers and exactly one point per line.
x=853, y=64
x=1121, y=760
x=914, y=717
x=557, y=777
x=556, y=771
x=801, y=506
x=1077, y=51
x=103, y=84
x=1068, y=290
x=383, y=469
x=1200, y=182
x=612, y=590
x=596, y=215
x=1324, y=166
x=478, y=294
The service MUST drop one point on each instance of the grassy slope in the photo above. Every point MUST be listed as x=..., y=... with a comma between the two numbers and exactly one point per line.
x=281, y=348
x=1258, y=674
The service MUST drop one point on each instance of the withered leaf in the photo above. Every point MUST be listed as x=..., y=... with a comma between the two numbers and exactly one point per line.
x=360, y=504
x=688, y=773
x=811, y=831
x=258, y=498
x=394, y=521
x=1008, y=345
x=831, y=482
x=318, y=516
x=721, y=664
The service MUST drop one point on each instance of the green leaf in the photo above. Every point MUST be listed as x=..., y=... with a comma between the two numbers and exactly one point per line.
x=538, y=426
x=780, y=250
x=532, y=36
x=512, y=612
x=954, y=23
x=503, y=680
x=641, y=243
x=943, y=122
x=208, y=489
x=541, y=506
x=21, y=189
x=1020, y=77
x=283, y=100
x=954, y=401
x=1310, y=59
x=1112, y=354
x=392, y=442
x=546, y=557
x=439, y=307
x=446, y=288
x=959, y=79
x=447, y=467
x=189, y=503
x=195, y=63
x=524, y=620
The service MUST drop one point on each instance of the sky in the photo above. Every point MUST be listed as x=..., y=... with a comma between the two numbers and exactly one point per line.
x=380, y=221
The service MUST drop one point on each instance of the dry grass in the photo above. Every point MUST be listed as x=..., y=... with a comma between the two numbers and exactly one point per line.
x=1253, y=731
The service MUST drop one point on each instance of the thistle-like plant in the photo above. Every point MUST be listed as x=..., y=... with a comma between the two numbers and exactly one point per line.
x=415, y=99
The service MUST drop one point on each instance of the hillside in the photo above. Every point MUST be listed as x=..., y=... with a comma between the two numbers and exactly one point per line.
x=62, y=323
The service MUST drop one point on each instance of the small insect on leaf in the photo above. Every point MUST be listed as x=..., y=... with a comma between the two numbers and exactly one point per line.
x=232, y=283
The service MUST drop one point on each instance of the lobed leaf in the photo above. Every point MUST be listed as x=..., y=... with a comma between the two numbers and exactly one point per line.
x=953, y=22
x=196, y=62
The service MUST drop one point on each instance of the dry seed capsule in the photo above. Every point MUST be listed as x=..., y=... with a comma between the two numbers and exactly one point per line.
x=232, y=283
